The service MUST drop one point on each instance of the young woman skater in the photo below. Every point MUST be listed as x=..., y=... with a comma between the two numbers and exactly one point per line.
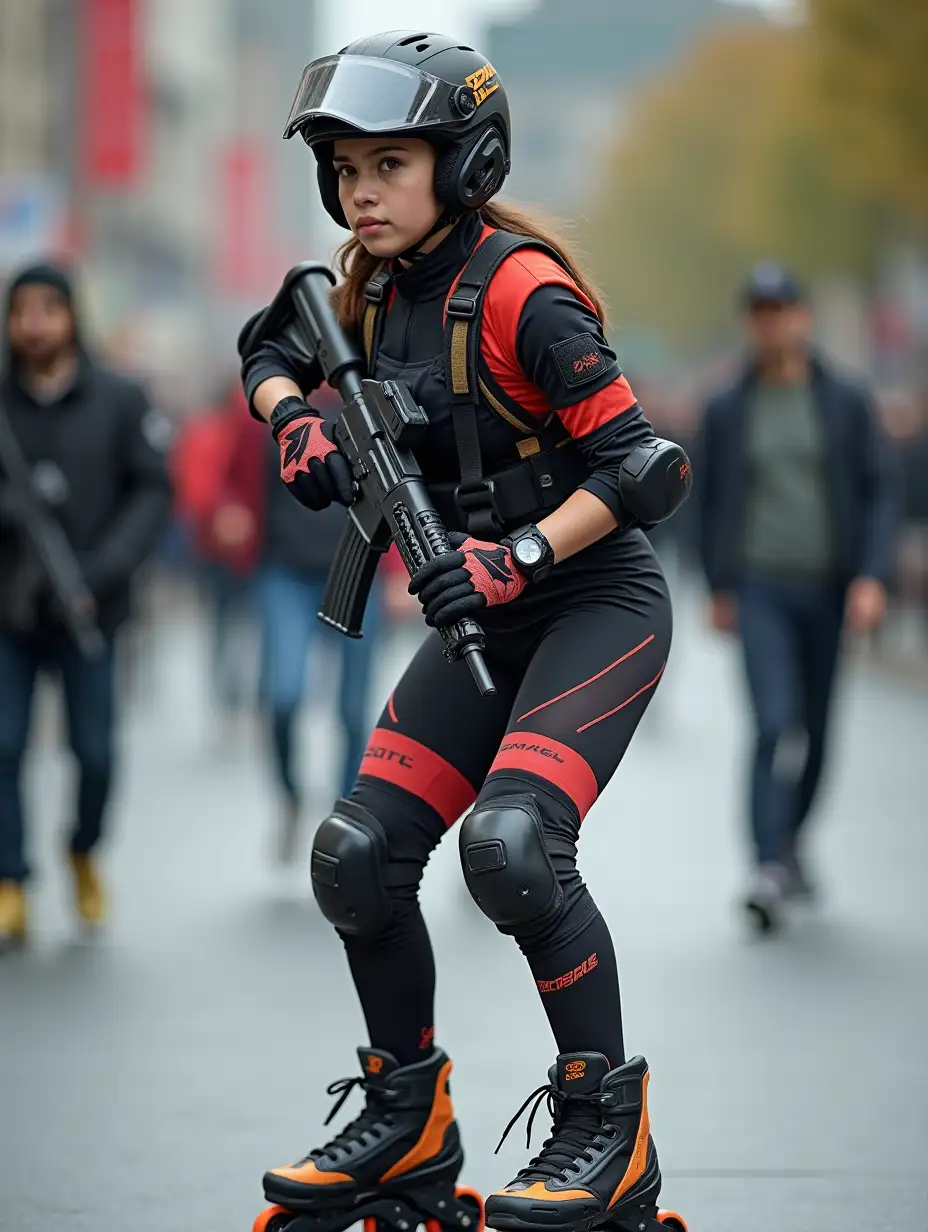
x=538, y=455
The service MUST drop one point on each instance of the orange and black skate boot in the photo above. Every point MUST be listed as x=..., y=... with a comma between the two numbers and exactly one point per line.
x=599, y=1165
x=397, y=1162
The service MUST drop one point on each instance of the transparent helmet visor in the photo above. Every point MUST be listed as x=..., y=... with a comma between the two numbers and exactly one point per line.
x=371, y=94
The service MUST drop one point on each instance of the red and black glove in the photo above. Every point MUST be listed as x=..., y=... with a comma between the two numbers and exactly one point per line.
x=310, y=462
x=464, y=582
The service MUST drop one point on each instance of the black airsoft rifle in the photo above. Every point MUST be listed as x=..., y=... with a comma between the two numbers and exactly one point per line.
x=378, y=428
x=50, y=546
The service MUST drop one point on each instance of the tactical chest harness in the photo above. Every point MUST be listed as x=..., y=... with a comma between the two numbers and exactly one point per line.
x=550, y=468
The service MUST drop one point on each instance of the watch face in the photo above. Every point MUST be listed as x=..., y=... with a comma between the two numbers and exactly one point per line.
x=528, y=552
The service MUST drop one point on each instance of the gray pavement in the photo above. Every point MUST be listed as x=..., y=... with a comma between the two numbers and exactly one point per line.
x=148, y=1078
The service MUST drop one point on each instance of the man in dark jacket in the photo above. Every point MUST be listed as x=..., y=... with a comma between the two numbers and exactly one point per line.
x=95, y=452
x=796, y=499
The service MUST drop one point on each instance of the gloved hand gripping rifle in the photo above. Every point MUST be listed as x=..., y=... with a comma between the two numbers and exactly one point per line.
x=378, y=428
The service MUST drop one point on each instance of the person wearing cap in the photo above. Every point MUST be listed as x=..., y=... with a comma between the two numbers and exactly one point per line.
x=797, y=503
x=96, y=450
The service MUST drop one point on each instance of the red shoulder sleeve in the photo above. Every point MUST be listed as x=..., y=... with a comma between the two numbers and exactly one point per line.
x=519, y=275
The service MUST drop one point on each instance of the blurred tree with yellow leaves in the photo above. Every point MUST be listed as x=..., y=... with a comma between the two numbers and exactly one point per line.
x=720, y=164
x=870, y=64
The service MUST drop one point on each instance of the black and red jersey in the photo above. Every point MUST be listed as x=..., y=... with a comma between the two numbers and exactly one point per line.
x=548, y=380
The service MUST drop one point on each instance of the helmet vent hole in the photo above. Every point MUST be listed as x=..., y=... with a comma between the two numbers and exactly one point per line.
x=465, y=49
x=413, y=38
x=422, y=47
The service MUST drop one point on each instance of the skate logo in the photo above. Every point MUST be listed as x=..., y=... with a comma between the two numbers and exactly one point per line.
x=531, y=748
x=482, y=83
x=578, y=359
x=574, y=1069
x=381, y=753
x=374, y=1064
x=568, y=978
x=586, y=362
x=425, y=1039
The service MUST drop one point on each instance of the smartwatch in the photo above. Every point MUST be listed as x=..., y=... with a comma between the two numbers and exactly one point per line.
x=531, y=552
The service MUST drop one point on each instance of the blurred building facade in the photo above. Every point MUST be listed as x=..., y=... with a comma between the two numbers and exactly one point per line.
x=143, y=138
x=24, y=85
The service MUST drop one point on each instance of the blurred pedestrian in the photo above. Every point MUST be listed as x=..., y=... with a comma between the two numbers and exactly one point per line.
x=294, y=553
x=95, y=455
x=219, y=480
x=797, y=501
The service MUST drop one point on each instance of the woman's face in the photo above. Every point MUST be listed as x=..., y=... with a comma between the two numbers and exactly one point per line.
x=386, y=188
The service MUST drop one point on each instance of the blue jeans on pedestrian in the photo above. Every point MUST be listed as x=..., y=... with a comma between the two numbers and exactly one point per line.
x=229, y=596
x=90, y=708
x=790, y=635
x=288, y=602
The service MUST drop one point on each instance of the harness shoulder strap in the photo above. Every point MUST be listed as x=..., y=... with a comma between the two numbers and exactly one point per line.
x=375, y=292
x=462, y=346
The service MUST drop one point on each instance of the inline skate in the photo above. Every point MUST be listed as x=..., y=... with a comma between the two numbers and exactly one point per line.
x=392, y=1168
x=599, y=1168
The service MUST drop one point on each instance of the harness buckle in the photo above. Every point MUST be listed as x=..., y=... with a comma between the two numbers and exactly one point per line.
x=462, y=307
x=476, y=502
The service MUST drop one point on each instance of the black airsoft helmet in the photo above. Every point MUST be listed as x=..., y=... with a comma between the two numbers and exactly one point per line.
x=423, y=85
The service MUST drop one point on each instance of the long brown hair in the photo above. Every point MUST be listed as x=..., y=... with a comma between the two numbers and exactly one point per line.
x=356, y=265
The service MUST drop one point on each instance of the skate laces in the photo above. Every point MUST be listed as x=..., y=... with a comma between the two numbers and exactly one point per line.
x=371, y=1117
x=577, y=1119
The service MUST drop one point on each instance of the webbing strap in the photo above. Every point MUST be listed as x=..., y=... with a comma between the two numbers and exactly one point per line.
x=375, y=292
x=370, y=320
x=462, y=344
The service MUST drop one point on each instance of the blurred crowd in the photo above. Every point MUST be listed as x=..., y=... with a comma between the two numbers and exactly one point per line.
x=167, y=508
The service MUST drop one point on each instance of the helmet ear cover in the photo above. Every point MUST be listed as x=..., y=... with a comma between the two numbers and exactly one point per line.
x=469, y=172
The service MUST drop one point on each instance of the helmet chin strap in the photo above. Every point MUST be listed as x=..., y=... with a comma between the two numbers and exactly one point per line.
x=414, y=252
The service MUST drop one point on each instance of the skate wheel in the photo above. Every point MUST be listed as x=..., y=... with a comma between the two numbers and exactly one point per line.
x=670, y=1219
x=370, y=1223
x=274, y=1219
x=471, y=1198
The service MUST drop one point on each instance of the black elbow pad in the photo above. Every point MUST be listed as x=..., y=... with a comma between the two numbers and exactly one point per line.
x=654, y=480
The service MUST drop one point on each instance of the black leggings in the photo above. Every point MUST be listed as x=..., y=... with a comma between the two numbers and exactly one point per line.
x=571, y=689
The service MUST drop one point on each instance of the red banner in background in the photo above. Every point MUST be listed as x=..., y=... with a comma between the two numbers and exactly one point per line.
x=112, y=93
x=249, y=263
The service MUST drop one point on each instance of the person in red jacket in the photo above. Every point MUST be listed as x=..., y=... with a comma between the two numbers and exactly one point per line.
x=219, y=481
x=259, y=552
x=540, y=460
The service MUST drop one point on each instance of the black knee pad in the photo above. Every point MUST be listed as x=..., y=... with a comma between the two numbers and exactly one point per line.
x=506, y=864
x=349, y=864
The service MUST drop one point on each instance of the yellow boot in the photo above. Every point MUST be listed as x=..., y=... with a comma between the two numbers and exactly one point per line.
x=14, y=917
x=89, y=895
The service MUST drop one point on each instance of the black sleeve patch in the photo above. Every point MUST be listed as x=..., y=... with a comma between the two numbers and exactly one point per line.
x=578, y=359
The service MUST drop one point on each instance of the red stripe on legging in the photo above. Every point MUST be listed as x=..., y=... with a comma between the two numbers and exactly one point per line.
x=406, y=763
x=551, y=760
x=628, y=701
x=628, y=654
